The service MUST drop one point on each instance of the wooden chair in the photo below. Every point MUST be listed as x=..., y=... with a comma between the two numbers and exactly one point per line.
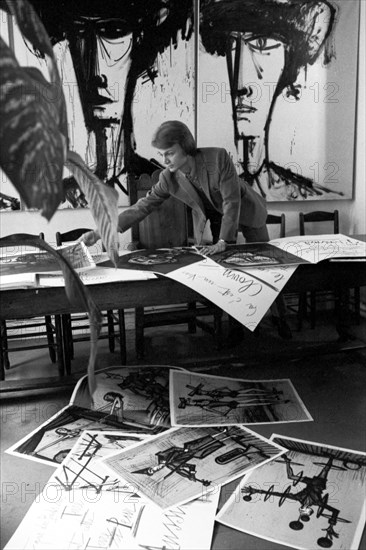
x=167, y=227
x=277, y=219
x=310, y=300
x=319, y=216
x=46, y=329
x=76, y=326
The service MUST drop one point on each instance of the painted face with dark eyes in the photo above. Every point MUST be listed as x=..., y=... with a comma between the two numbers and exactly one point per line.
x=255, y=65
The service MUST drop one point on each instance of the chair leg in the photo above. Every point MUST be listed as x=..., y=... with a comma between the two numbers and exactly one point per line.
x=139, y=332
x=2, y=353
x=192, y=325
x=312, y=309
x=59, y=344
x=122, y=336
x=279, y=317
x=111, y=335
x=50, y=331
x=2, y=369
x=65, y=322
x=65, y=344
x=301, y=311
x=357, y=301
x=344, y=317
x=4, y=346
x=218, y=329
x=67, y=334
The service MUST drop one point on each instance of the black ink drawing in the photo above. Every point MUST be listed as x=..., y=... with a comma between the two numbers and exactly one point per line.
x=80, y=470
x=96, y=510
x=312, y=495
x=222, y=400
x=267, y=44
x=255, y=255
x=177, y=459
x=327, y=486
x=52, y=442
x=112, y=49
x=207, y=400
x=173, y=467
x=8, y=202
x=158, y=260
x=30, y=261
x=138, y=396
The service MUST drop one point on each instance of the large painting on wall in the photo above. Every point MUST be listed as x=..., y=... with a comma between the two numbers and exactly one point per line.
x=275, y=84
x=126, y=67
x=277, y=88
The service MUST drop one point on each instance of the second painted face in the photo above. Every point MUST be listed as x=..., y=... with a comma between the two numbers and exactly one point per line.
x=174, y=158
x=260, y=61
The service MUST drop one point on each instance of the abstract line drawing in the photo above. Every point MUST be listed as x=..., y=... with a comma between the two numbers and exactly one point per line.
x=177, y=465
x=133, y=399
x=93, y=509
x=206, y=400
x=314, y=494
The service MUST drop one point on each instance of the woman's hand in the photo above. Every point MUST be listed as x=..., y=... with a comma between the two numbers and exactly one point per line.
x=220, y=246
x=89, y=238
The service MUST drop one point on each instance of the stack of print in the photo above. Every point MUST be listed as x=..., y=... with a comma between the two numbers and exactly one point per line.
x=162, y=453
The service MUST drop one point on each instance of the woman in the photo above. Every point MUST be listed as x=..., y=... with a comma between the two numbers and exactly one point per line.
x=206, y=180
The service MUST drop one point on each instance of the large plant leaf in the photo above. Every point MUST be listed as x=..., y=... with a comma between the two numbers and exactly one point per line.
x=77, y=293
x=103, y=202
x=32, y=151
x=29, y=24
x=34, y=31
x=33, y=128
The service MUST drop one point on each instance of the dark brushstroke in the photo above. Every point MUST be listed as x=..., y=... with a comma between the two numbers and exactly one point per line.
x=154, y=24
x=304, y=27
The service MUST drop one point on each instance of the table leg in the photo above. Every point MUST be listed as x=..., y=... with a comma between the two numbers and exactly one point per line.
x=343, y=316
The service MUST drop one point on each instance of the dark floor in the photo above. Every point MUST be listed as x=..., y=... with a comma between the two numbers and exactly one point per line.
x=331, y=383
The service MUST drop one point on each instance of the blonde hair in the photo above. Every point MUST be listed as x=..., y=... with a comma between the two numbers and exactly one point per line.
x=174, y=132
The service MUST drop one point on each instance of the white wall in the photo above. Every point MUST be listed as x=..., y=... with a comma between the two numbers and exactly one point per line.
x=352, y=212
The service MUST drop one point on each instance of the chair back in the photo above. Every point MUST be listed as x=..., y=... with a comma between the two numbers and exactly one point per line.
x=319, y=216
x=166, y=226
x=275, y=219
x=70, y=236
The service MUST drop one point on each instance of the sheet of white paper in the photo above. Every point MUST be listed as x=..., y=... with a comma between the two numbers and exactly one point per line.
x=315, y=248
x=206, y=400
x=83, y=507
x=311, y=497
x=18, y=280
x=99, y=275
x=245, y=295
x=181, y=464
x=130, y=398
x=142, y=391
x=189, y=526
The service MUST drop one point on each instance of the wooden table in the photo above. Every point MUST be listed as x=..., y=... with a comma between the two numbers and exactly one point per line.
x=22, y=303
x=327, y=275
